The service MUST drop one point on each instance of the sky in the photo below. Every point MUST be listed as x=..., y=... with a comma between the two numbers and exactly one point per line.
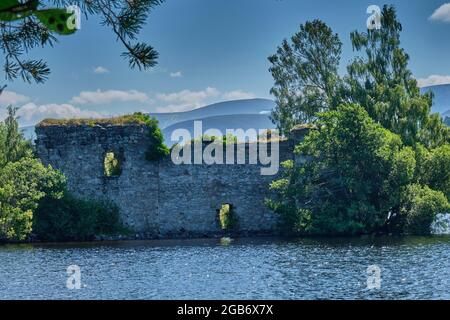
x=210, y=51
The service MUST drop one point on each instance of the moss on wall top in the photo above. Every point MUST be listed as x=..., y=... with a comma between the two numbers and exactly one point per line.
x=131, y=119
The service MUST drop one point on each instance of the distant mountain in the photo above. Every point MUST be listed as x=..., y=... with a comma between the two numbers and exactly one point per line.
x=251, y=106
x=238, y=114
x=222, y=123
x=441, y=102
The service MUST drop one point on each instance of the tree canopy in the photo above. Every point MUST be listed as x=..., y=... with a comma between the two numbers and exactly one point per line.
x=377, y=160
x=306, y=81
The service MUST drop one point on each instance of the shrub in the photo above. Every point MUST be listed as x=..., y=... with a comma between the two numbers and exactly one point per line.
x=157, y=148
x=352, y=181
x=420, y=205
x=22, y=186
x=436, y=168
x=74, y=219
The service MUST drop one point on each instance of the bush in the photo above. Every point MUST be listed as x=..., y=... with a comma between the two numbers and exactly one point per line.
x=420, y=205
x=157, y=148
x=435, y=168
x=352, y=181
x=22, y=185
x=74, y=219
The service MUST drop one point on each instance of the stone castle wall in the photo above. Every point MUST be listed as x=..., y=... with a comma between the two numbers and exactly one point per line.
x=159, y=198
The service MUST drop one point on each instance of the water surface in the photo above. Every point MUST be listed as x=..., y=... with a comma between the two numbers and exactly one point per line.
x=411, y=268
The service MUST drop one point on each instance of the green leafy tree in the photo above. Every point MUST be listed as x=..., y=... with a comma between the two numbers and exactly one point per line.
x=351, y=181
x=27, y=24
x=13, y=146
x=305, y=75
x=307, y=81
x=419, y=206
x=22, y=185
x=381, y=81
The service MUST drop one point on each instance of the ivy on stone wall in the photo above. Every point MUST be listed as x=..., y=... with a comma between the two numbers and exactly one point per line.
x=157, y=149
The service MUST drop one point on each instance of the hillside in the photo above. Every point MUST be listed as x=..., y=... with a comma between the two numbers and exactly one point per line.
x=251, y=106
x=441, y=97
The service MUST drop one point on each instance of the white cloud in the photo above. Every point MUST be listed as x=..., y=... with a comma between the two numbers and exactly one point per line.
x=433, y=80
x=12, y=98
x=177, y=74
x=31, y=113
x=100, y=70
x=442, y=13
x=238, y=95
x=186, y=99
x=104, y=97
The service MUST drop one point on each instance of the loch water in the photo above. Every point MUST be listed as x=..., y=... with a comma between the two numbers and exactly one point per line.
x=262, y=268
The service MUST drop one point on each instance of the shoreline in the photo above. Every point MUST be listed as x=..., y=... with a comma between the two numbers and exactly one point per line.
x=229, y=240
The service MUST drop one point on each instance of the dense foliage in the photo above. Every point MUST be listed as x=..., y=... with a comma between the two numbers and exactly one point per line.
x=34, y=199
x=306, y=78
x=73, y=219
x=376, y=159
x=22, y=185
x=305, y=72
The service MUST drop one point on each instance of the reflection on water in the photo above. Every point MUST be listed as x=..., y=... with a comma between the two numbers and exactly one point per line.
x=411, y=268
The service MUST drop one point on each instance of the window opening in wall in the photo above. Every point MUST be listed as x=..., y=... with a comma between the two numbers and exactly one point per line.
x=227, y=217
x=112, y=165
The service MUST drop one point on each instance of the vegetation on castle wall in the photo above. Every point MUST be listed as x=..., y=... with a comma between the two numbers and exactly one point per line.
x=129, y=119
x=157, y=148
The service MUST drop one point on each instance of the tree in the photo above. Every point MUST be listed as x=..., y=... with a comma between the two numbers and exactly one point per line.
x=377, y=160
x=13, y=146
x=22, y=185
x=307, y=82
x=420, y=204
x=381, y=82
x=352, y=180
x=25, y=25
x=305, y=75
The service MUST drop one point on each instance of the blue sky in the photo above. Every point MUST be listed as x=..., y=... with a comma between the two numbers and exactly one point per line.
x=210, y=50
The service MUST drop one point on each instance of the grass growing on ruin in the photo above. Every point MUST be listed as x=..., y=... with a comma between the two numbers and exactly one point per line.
x=130, y=119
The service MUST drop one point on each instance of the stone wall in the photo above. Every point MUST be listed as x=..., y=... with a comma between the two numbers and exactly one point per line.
x=157, y=199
